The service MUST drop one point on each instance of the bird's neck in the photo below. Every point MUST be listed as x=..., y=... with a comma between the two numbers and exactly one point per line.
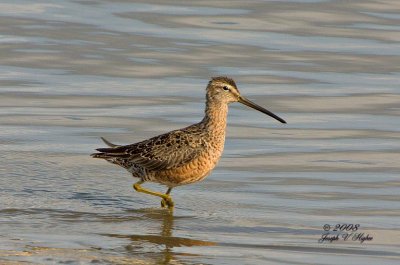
x=215, y=117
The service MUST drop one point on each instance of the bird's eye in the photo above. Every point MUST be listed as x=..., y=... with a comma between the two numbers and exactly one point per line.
x=226, y=88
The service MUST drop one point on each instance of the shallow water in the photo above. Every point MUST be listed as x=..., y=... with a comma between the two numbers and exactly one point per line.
x=72, y=71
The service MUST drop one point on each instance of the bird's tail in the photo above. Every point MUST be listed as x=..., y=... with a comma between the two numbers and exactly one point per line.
x=108, y=142
x=107, y=152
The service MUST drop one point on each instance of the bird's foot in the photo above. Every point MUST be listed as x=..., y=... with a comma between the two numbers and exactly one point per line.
x=167, y=202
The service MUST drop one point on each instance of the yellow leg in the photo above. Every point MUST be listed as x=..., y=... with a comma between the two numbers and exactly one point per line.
x=167, y=203
x=166, y=198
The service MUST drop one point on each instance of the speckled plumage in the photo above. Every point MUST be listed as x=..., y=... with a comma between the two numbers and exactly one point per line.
x=186, y=155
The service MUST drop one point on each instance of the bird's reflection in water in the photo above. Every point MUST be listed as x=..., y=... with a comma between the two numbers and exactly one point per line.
x=149, y=245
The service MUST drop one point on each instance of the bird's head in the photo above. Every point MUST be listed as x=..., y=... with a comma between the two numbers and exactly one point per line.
x=223, y=89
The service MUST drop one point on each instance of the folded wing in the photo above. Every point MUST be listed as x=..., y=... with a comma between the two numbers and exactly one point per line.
x=163, y=152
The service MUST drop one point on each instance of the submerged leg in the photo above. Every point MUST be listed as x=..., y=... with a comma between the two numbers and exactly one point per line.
x=167, y=202
x=165, y=197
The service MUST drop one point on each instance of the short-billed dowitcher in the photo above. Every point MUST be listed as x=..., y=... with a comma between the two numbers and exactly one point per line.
x=182, y=156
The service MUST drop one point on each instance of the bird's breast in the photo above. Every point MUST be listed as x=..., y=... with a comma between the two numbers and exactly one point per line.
x=194, y=171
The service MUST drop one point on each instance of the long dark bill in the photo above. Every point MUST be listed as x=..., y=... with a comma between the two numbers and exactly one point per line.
x=253, y=105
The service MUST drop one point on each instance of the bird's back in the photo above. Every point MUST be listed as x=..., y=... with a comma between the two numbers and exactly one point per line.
x=162, y=152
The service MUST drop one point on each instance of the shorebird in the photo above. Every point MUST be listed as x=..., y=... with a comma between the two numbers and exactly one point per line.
x=186, y=155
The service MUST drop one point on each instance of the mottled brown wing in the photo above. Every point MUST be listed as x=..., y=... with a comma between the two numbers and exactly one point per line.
x=162, y=152
x=166, y=151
